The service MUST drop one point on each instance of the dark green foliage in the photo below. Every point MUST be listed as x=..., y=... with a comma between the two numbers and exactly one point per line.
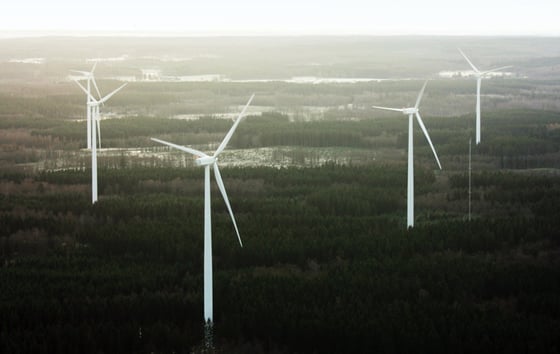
x=327, y=265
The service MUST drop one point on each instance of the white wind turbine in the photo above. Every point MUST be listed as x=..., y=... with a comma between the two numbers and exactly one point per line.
x=479, y=76
x=90, y=79
x=93, y=107
x=208, y=161
x=413, y=111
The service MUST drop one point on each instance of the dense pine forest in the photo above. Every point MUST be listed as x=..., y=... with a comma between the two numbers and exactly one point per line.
x=317, y=183
x=327, y=264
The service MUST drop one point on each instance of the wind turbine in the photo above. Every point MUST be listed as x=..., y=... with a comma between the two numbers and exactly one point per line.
x=479, y=76
x=93, y=107
x=412, y=111
x=90, y=79
x=211, y=161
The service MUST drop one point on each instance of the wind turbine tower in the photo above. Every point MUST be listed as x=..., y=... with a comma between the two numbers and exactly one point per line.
x=411, y=112
x=93, y=107
x=211, y=162
x=479, y=76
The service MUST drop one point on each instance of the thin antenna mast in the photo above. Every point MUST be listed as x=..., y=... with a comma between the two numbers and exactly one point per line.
x=470, y=169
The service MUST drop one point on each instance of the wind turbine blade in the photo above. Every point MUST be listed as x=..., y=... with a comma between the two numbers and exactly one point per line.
x=98, y=132
x=85, y=90
x=497, y=69
x=104, y=99
x=420, y=95
x=182, y=148
x=96, y=88
x=427, y=137
x=389, y=109
x=93, y=68
x=232, y=130
x=85, y=73
x=220, y=183
x=470, y=63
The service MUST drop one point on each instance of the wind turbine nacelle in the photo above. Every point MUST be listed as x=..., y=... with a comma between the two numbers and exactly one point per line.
x=205, y=161
x=408, y=111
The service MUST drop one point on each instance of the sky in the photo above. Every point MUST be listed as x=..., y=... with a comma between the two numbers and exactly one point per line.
x=286, y=17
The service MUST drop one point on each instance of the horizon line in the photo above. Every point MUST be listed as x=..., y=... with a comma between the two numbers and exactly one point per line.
x=35, y=33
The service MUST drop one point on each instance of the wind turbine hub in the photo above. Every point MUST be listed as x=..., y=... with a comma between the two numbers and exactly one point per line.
x=205, y=161
x=408, y=111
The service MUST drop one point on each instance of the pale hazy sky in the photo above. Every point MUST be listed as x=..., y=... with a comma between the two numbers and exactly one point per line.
x=261, y=17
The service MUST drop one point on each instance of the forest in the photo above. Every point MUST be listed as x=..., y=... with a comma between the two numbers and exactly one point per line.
x=317, y=183
x=327, y=264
